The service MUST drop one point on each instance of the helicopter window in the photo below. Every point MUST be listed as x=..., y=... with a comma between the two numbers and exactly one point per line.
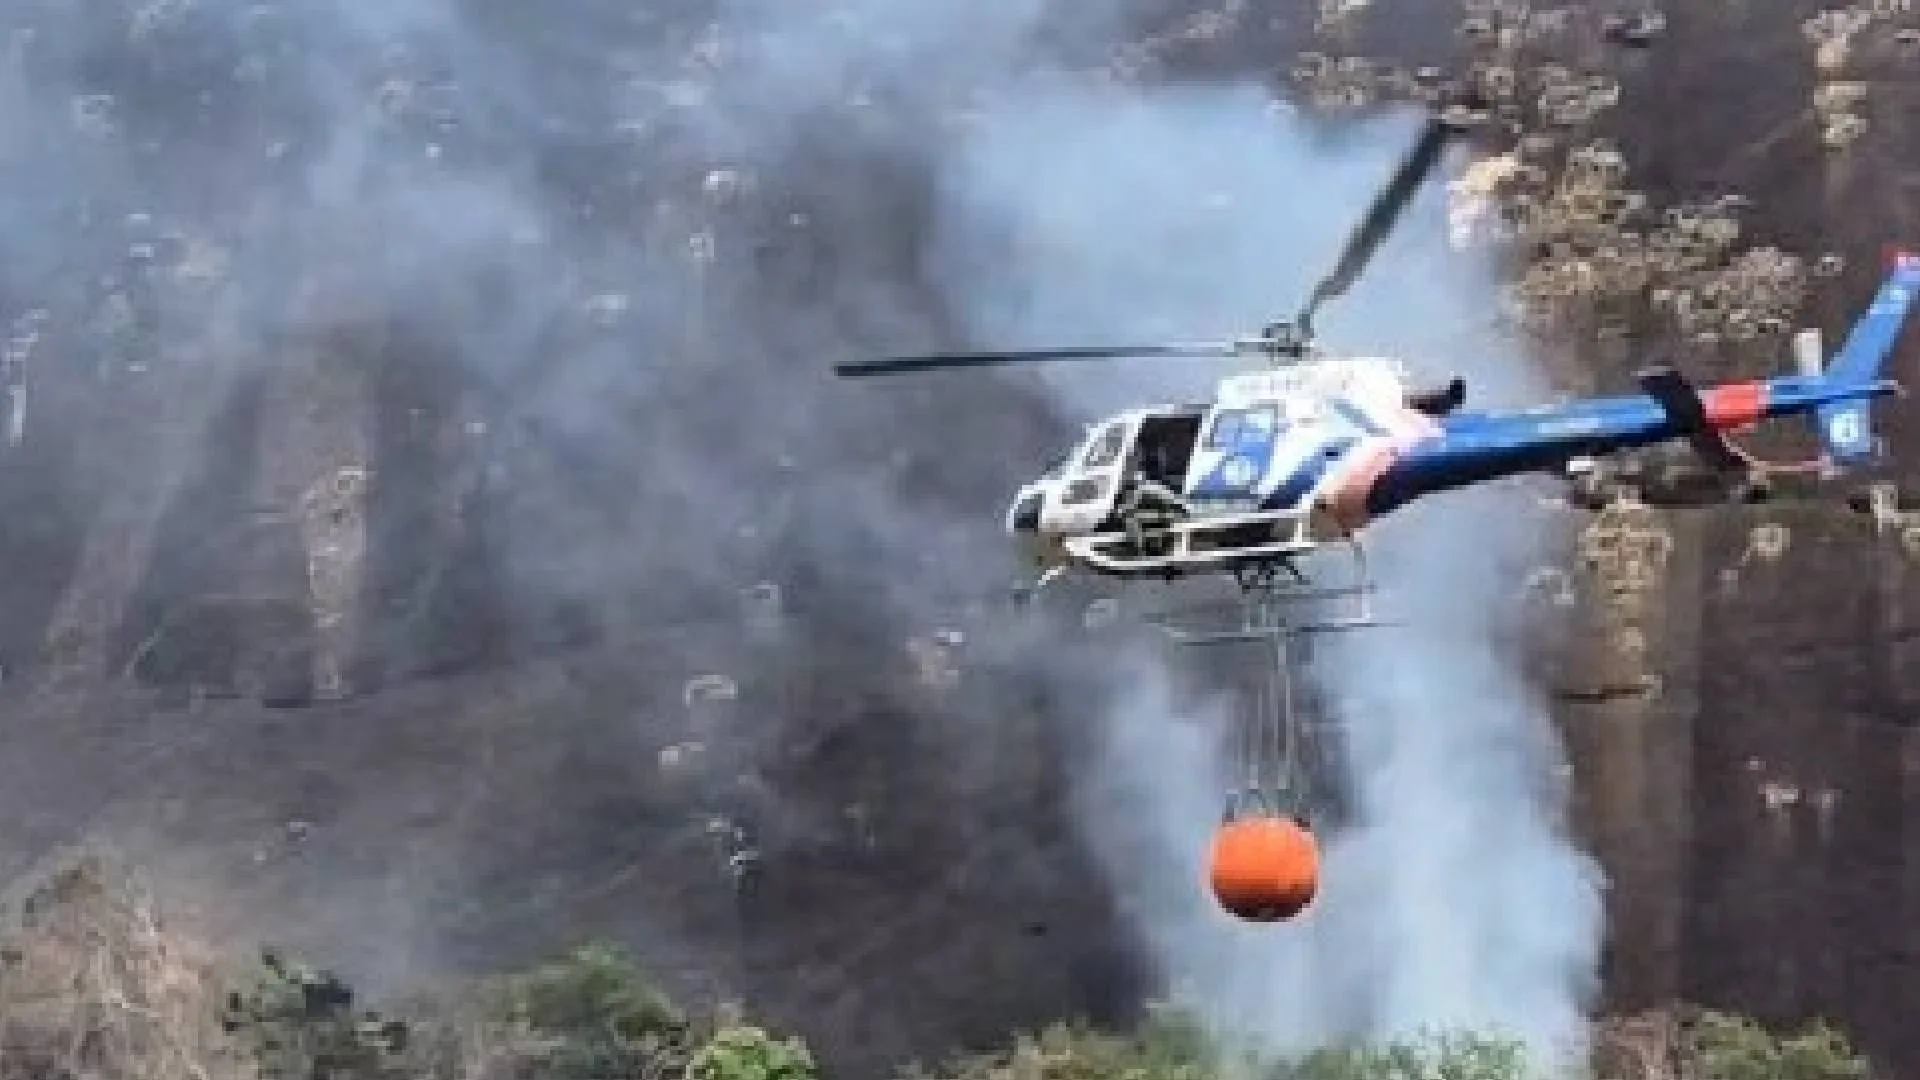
x=1106, y=449
x=1233, y=427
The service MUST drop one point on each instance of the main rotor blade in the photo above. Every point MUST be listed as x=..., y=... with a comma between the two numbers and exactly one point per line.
x=936, y=361
x=1381, y=216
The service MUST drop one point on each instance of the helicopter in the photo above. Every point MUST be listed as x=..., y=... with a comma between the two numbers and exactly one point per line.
x=1306, y=453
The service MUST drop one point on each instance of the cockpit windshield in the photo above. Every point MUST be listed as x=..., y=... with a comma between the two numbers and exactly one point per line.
x=1237, y=427
x=1106, y=449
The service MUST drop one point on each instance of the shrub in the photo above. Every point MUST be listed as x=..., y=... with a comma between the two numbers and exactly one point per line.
x=301, y=1024
x=92, y=985
x=1076, y=1052
x=1451, y=1056
x=589, y=1014
x=745, y=1052
x=1704, y=1046
x=1723, y=1047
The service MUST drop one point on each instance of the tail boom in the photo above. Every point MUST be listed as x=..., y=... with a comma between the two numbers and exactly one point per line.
x=1474, y=447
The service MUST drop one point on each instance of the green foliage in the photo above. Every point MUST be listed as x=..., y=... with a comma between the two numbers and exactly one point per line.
x=300, y=1024
x=1162, y=1050
x=594, y=989
x=593, y=1014
x=1169, y=1042
x=1451, y=1056
x=1722, y=1047
x=1169, y=1046
x=745, y=1052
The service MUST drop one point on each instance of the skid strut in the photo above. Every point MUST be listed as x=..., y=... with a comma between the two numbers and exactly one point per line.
x=1268, y=757
x=1282, y=611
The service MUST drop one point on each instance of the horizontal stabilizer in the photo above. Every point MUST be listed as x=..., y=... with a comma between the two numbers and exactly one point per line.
x=1682, y=404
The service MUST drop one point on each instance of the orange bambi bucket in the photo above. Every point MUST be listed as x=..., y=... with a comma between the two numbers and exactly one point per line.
x=1264, y=868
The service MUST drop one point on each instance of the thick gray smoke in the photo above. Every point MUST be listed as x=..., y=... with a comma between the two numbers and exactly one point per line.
x=581, y=267
x=646, y=230
x=643, y=231
x=614, y=216
x=1454, y=900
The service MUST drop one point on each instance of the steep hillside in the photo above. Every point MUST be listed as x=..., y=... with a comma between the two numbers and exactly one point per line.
x=429, y=541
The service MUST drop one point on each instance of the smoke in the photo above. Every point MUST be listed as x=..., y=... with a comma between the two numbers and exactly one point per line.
x=1492, y=918
x=608, y=251
x=640, y=234
x=1454, y=900
x=1484, y=914
x=485, y=172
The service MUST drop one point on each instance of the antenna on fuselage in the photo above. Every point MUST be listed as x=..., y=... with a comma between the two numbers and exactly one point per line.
x=1809, y=352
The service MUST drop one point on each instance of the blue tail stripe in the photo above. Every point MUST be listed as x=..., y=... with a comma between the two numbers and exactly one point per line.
x=1475, y=447
x=1845, y=426
x=1871, y=341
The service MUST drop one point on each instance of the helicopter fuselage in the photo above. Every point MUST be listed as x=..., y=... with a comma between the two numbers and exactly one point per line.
x=1309, y=439
x=1284, y=460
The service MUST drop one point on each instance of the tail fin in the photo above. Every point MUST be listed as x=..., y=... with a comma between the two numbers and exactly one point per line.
x=1846, y=424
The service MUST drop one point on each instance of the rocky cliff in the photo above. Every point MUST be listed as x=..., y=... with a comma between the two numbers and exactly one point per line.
x=353, y=564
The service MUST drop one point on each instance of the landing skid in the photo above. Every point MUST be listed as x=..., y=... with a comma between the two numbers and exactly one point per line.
x=1214, y=544
x=1272, y=594
x=1260, y=551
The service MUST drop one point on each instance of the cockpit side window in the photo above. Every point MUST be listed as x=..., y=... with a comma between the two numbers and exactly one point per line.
x=1232, y=427
x=1107, y=448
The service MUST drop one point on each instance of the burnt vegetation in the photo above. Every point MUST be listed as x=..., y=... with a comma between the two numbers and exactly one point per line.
x=349, y=582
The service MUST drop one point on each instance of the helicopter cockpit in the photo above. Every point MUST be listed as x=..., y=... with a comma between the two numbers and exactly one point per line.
x=1141, y=448
x=1258, y=421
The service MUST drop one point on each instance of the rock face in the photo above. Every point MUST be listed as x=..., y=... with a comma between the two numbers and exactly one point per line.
x=1751, y=804
x=769, y=790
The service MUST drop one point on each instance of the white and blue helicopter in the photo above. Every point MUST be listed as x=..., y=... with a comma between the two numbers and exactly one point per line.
x=1283, y=461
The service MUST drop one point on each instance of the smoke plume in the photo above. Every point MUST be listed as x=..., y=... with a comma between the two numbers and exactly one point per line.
x=582, y=268
x=1453, y=900
x=633, y=237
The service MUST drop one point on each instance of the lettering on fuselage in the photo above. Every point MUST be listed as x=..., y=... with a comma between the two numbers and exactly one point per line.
x=1578, y=425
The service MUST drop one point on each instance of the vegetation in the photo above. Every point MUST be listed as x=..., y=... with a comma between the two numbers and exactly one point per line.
x=92, y=986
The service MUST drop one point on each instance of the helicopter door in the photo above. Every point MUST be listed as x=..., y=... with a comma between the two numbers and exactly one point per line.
x=1233, y=461
x=1090, y=485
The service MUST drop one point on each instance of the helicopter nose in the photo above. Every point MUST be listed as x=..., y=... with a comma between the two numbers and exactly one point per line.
x=1024, y=515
